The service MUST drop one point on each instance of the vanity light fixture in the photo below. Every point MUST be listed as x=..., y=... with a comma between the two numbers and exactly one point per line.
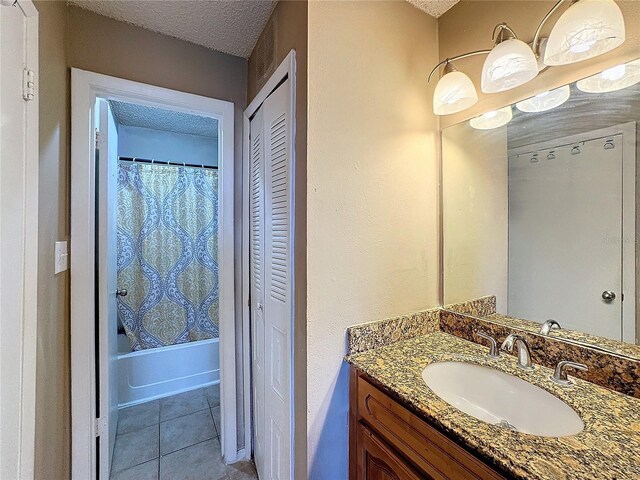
x=454, y=91
x=510, y=63
x=545, y=101
x=588, y=28
x=612, y=79
x=493, y=119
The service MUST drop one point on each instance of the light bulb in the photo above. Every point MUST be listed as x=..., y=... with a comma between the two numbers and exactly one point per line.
x=612, y=79
x=545, y=101
x=493, y=119
x=614, y=73
x=581, y=47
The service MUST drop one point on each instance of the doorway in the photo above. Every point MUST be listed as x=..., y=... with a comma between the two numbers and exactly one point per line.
x=153, y=327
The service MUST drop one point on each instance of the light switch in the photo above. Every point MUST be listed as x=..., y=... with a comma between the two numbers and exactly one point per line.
x=61, y=257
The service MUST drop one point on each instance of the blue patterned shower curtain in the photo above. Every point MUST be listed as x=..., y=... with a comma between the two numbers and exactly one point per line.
x=167, y=253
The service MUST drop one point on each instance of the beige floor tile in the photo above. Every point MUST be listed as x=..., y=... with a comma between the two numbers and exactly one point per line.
x=138, y=416
x=182, y=404
x=198, y=462
x=187, y=430
x=135, y=448
x=145, y=471
x=212, y=392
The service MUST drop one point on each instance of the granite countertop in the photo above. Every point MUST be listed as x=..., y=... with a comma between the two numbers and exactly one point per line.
x=607, y=448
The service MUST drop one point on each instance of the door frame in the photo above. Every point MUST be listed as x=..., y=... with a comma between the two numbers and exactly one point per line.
x=19, y=305
x=630, y=151
x=85, y=88
x=286, y=69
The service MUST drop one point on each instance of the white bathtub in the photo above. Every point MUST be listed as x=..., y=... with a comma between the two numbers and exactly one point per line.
x=159, y=372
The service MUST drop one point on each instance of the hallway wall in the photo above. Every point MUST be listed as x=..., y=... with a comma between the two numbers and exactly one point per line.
x=53, y=428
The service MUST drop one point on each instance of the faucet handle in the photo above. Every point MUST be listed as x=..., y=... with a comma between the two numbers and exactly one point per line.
x=493, y=344
x=546, y=327
x=560, y=374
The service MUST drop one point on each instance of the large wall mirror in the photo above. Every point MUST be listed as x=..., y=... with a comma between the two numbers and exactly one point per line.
x=540, y=201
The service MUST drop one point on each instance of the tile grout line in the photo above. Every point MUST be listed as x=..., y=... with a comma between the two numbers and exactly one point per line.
x=189, y=446
x=190, y=413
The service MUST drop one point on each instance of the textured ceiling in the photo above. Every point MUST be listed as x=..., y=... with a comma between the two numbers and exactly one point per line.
x=435, y=8
x=165, y=120
x=229, y=26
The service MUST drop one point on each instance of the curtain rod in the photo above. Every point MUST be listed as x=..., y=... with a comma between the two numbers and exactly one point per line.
x=164, y=162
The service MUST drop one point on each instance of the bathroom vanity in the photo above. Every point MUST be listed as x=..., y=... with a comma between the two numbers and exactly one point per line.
x=400, y=429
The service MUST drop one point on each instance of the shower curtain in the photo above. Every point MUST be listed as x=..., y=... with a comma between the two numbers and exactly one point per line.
x=167, y=253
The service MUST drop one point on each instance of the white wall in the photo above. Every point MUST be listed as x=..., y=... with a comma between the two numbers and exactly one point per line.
x=475, y=214
x=167, y=146
x=372, y=201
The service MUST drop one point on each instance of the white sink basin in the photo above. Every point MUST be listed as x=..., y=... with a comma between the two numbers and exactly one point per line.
x=501, y=399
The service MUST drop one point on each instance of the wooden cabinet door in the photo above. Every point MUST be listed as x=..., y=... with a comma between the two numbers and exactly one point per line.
x=377, y=461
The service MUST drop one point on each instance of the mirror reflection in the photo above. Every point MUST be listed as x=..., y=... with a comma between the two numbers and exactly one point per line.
x=539, y=206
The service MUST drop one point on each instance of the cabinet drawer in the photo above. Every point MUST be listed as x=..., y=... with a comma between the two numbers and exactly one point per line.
x=434, y=453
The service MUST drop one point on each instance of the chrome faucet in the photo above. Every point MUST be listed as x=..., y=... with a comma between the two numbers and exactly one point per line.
x=493, y=345
x=560, y=375
x=524, y=355
x=548, y=325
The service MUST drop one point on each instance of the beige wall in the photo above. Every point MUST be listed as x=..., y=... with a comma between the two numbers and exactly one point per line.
x=475, y=214
x=73, y=37
x=52, y=384
x=291, y=33
x=468, y=26
x=372, y=193
x=103, y=45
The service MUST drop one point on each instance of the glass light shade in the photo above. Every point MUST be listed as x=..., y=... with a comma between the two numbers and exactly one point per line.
x=454, y=92
x=612, y=79
x=509, y=64
x=545, y=101
x=493, y=119
x=586, y=29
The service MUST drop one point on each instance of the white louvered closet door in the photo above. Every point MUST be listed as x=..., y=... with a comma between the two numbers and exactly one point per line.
x=271, y=292
x=278, y=281
x=256, y=255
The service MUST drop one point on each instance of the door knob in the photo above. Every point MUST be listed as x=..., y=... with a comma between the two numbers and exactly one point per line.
x=608, y=296
x=121, y=292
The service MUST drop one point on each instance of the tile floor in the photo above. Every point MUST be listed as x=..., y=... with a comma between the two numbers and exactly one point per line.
x=174, y=438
